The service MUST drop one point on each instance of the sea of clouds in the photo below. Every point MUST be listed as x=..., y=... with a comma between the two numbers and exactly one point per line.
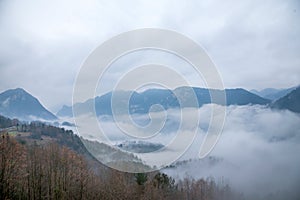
x=257, y=152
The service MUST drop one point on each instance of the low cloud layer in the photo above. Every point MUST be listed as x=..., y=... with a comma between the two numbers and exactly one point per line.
x=257, y=153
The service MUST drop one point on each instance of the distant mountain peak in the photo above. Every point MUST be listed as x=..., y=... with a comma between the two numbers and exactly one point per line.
x=18, y=103
x=16, y=91
x=21, y=90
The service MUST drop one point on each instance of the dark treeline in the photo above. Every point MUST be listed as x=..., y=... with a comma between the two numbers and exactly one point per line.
x=56, y=172
x=36, y=131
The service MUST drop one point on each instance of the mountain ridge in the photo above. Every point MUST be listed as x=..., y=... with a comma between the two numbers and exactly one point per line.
x=291, y=101
x=141, y=102
x=18, y=103
x=273, y=93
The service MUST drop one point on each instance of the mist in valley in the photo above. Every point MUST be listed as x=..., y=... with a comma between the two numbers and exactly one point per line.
x=257, y=153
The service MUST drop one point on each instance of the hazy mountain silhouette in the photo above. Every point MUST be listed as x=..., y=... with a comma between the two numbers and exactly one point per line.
x=142, y=102
x=291, y=101
x=272, y=93
x=17, y=103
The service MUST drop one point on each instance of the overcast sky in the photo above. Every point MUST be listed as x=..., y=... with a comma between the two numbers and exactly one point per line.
x=255, y=44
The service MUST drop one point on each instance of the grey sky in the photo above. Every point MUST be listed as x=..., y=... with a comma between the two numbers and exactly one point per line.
x=255, y=44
